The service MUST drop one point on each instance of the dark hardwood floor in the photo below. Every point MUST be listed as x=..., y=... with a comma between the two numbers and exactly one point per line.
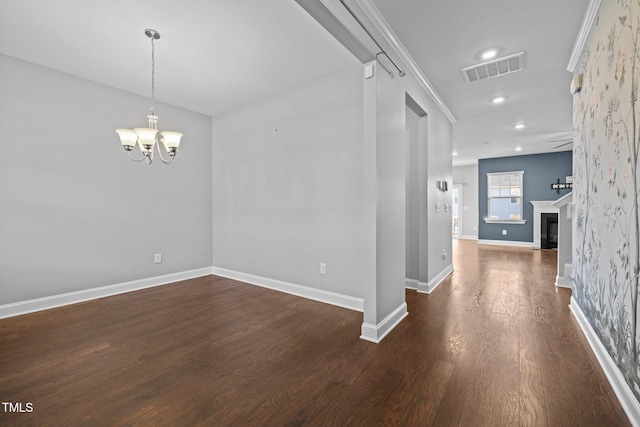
x=494, y=345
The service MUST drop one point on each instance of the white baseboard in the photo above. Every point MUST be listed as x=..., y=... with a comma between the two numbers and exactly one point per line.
x=470, y=237
x=506, y=243
x=327, y=297
x=622, y=390
x=375, y=333
x=45, y=303
x=563, y=282
x=427, y=288
x=411, y=284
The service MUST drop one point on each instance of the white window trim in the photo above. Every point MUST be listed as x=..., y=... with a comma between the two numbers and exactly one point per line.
x=506, y=221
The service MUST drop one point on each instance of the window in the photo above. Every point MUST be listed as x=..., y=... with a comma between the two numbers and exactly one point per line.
x=504, y=193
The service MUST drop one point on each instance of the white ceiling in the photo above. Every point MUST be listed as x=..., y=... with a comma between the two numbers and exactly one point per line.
x=215, y=56
x=444, y=37
x=212, y=56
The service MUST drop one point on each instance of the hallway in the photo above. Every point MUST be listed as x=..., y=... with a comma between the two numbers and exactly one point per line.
x=518, y=355
x=495, y=344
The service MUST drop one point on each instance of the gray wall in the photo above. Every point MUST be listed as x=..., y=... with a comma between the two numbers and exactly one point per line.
x=289, y=182
x=435, y=136
x=439, y=169
x=540, y=171
x=387, y=136
x=317, y=174
x=76, y=212
x=288, y=185
x=412, y=190
x=467, y=177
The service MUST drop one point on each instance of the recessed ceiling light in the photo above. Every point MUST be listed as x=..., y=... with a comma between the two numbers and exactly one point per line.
x=489, y=53
x=519, y=126
x=455, y=153
x=518, y=148
x=498, y=99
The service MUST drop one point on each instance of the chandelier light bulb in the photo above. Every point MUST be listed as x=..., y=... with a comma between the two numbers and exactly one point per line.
x=128, y=138
x=171, y=140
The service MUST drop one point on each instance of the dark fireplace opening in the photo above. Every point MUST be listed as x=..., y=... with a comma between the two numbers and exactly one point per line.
x=549, y=231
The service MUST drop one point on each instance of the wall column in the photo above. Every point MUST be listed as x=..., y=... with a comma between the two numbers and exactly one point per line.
x=385, y=196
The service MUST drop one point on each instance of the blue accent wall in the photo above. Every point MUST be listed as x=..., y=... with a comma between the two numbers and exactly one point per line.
x=540, y=171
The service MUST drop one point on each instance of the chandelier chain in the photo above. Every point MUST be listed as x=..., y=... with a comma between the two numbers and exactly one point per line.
x=153, y=74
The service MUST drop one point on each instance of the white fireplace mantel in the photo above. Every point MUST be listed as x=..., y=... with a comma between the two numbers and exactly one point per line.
x=564, y=204
x=540, y=207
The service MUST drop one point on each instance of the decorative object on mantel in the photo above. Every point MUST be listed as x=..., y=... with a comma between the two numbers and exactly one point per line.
x=568, y=185
x=147, y=138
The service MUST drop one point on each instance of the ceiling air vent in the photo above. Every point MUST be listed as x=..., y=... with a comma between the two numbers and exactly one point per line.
x=497, y=67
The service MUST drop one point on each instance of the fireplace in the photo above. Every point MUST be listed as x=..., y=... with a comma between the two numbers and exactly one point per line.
x=549, y=231
x=540, y=208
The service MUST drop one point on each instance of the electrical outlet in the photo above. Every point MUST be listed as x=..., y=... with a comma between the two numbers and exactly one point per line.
x=158, y=258
x=444, y=254
x=323, y=268
x=437, y=207
x=504, y=232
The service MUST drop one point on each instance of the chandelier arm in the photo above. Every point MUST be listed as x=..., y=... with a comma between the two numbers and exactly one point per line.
x=166, y=162
x=137, y=160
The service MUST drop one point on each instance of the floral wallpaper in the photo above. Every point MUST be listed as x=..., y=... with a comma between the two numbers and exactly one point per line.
x=606, y=251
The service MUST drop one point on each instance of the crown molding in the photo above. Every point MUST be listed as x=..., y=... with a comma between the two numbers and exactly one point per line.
x=374, y=16
x=587, y=23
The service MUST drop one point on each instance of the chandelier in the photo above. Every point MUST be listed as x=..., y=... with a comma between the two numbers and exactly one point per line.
x=147, y=138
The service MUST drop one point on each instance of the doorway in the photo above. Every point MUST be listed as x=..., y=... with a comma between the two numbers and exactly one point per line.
x=416, y=187
x=456, y=211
